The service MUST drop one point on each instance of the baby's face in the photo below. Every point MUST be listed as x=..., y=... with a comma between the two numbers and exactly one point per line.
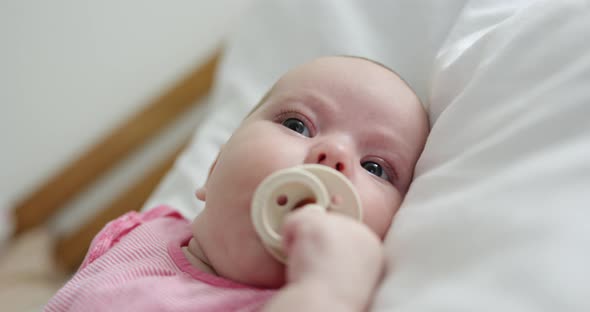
x=350, y=114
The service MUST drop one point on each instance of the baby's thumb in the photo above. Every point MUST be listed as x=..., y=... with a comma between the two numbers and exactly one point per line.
x=298, y=224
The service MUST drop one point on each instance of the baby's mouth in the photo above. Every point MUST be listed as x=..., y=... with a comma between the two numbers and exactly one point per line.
x=303, y=202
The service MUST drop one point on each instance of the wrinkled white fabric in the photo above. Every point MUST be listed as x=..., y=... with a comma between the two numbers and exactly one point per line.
x=496, y=219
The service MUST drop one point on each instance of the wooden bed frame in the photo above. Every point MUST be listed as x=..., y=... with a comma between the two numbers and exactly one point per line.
x=114, y=147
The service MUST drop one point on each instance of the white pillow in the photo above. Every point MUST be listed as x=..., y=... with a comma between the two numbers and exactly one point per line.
x=498, y=216
x=495, y=219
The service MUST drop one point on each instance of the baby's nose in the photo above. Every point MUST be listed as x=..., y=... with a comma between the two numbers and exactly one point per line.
x=332, y=161
x=331, y=154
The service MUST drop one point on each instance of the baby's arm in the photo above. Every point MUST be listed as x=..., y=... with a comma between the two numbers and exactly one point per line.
x=334, y=264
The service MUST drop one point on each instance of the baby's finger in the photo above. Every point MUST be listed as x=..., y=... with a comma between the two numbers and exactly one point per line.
x=300, y=222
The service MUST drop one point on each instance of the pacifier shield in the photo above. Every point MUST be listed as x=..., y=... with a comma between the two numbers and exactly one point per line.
x=343, y=197
x=276, y=196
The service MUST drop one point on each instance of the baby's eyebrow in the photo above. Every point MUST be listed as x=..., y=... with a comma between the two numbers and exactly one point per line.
x=312, y=100
x=391, y=146
x=383, y=135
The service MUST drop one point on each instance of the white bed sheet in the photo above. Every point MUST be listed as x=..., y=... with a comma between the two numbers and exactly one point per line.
x=497, y=216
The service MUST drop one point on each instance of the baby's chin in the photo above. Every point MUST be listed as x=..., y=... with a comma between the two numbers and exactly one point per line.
x=254, y=267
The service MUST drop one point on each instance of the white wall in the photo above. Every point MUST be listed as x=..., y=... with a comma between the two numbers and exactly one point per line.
x=70, y=70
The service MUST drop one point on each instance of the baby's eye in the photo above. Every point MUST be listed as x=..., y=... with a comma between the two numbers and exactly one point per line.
x=376, y=169
x=297, y=126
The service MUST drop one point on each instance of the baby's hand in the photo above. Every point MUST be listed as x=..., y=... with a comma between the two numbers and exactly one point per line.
x=333, y=253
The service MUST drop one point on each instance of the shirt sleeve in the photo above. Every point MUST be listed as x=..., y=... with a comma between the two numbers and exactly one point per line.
x=118, y=228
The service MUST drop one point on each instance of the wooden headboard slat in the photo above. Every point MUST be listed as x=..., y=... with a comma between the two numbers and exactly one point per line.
x=78, y=175
x=71, y=248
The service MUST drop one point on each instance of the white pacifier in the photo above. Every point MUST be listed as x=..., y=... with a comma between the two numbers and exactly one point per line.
x=292, y=188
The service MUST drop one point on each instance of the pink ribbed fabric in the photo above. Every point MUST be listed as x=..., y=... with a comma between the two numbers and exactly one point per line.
x=136, y=264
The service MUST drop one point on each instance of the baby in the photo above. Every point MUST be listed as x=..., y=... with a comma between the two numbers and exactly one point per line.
x=348, y=113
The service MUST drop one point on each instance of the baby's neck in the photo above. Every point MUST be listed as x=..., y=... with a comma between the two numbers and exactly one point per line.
x=195, y=256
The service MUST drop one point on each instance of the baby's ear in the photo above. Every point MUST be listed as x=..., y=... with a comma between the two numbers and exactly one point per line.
x=201, y=192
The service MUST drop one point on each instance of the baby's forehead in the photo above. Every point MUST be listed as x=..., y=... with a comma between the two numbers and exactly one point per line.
x=346, y=65
x=344, y=73
x=341, y=74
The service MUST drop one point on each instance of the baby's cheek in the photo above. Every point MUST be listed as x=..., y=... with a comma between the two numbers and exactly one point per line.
x=379, y=208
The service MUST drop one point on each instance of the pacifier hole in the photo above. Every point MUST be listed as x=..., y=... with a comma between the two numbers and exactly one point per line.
x=336, y=200
x=303, y=202
x=282, y=200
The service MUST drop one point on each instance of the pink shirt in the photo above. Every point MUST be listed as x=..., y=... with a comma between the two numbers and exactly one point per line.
x=136, y=264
